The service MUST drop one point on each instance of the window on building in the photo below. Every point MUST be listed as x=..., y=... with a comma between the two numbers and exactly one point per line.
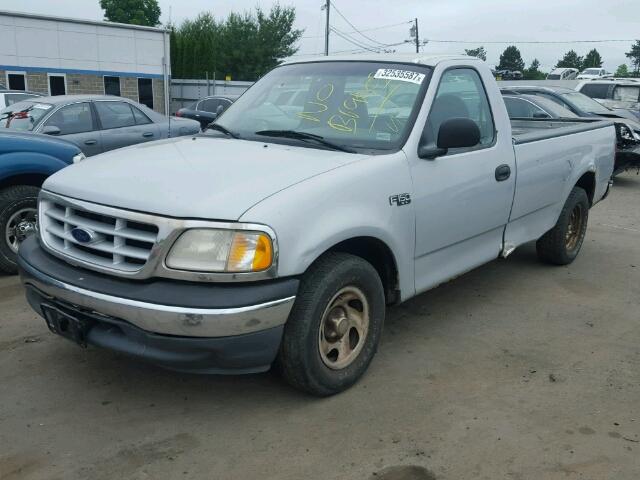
x=16, y=80
x=112, y=86
x=145, y=92
x=115, y=114
x=57, y=84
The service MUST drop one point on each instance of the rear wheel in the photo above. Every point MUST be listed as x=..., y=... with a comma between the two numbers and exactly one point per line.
x=18, y=220
x=562, y=243
x=335, y=325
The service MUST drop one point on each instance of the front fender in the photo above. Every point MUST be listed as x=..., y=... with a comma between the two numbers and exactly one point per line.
x=351, y=201
x=25, y=163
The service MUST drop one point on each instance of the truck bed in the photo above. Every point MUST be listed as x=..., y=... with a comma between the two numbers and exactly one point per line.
x=533, y=130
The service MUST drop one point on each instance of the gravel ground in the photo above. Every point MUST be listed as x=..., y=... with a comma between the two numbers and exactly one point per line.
x=516, y=370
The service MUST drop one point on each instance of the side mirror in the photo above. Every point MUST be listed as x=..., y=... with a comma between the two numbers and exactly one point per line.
x=51, y=130
x=453, y=133
x=219, y=110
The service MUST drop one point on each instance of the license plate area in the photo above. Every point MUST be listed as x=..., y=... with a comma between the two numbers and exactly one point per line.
x=66, y=325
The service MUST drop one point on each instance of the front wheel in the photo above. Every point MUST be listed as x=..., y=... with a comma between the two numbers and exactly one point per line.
x=561, y=244
x=335, y=325
x=18, y=220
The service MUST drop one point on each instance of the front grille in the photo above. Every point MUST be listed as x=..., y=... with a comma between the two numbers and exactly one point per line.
x=118, y=243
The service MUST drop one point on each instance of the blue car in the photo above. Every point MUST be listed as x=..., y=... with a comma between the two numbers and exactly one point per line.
x=26, y=160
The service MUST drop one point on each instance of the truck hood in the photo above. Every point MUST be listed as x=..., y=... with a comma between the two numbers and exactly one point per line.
x=193, y=177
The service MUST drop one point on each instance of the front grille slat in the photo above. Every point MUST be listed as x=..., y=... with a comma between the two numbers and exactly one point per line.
x=119, y=243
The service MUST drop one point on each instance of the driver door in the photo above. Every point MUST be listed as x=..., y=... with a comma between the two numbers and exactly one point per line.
x=77, y=124
x=461, y=208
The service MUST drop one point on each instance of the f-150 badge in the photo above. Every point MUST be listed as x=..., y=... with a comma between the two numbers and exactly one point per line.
x=400, y=199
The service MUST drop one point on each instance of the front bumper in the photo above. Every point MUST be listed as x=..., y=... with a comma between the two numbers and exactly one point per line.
x=190, y=326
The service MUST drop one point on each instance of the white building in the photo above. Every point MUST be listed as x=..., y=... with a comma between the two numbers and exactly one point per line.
x=58, y=56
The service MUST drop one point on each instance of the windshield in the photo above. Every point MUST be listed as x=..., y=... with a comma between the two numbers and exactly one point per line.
x=355, y=105
x=23, y=115
x=584, y=103
x=591, y=71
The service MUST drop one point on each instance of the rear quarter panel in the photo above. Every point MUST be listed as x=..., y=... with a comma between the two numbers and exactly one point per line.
x=547, y=171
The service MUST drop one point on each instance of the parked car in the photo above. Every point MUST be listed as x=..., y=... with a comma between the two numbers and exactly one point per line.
x=530, y=106
x=627, y=128
x=96, y=123
x=614, y=92
x=207, y=109
x=509, y=74
x=26, y=160
x=563, y=74
x=286, y=236
x=9, y=97
x=591, y=73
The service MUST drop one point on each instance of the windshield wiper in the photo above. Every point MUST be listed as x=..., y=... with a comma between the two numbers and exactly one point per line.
x=220, y=128
x=304, y=136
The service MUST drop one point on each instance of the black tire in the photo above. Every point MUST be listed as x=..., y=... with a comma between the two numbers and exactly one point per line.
x=299, y=360
x=12, y=200
x=554, y=246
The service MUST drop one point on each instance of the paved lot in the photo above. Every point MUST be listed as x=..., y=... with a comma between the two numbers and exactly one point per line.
x=514, y=371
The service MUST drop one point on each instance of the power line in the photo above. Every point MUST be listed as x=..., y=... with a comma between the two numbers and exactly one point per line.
x=355, y=42
x=353, y=26
x=371, y=29
x=516, y=42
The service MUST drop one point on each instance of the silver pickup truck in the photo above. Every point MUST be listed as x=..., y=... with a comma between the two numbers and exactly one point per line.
x=280, y=235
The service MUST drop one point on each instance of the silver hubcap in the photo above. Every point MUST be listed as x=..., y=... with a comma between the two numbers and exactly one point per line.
x=20, y=225
x=344, y=328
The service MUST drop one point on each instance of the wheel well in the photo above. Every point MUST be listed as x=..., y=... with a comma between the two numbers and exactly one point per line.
x=32, y=179
x=588, y=183
x=378, y=254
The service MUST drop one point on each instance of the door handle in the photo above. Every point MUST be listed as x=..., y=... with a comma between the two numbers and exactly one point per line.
x=503, y=172
x=147, y=134
x=90, y=142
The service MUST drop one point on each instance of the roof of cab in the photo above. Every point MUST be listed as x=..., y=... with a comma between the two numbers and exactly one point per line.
x=422, y=59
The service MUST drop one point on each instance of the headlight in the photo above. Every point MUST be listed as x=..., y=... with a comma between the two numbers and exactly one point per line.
x=79, y=157
x=213, y=250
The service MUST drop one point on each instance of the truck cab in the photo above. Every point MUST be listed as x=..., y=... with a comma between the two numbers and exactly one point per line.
x=281, y=235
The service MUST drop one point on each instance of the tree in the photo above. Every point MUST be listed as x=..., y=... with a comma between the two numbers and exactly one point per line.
x=511, y=59
x=592, y=60
x=533, y=72
x=570, y=60
x=134, y=12
x=244, y=46
x=622, y=71
x=479, y=52
x=634, y=55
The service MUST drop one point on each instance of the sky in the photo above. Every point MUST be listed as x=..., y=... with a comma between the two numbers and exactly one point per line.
x=475, y=21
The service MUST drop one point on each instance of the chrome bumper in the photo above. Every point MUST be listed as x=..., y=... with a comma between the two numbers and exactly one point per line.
x=163, y=319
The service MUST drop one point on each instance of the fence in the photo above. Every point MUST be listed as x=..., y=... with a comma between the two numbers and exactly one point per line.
x=185, y=92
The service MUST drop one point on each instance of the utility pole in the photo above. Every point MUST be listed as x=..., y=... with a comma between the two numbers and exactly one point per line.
x=417, y=36
x=327, y=6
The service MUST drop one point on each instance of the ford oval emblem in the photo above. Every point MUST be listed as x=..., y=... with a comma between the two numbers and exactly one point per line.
x=82, y=235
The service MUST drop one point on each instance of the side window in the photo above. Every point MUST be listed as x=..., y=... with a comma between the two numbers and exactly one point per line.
x=519, y=108
x=115, y=114
x=461, y=94
x=74, y=118
x=141, y=118
x=596, y=90
x=210, y=105
x=624, y=93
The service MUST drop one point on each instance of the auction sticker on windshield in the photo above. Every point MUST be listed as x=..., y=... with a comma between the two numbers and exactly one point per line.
x=402, y=75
